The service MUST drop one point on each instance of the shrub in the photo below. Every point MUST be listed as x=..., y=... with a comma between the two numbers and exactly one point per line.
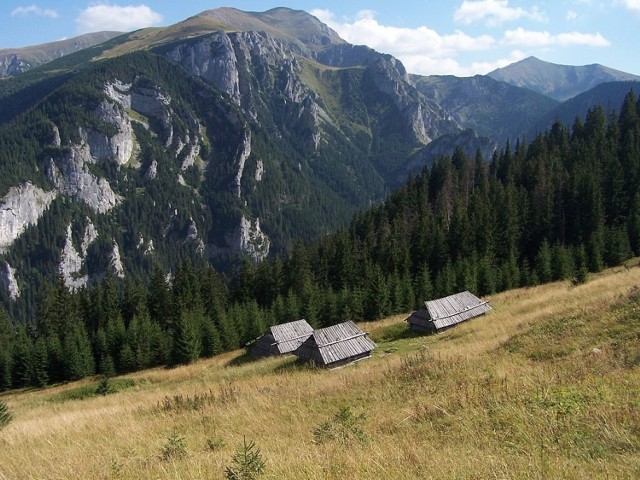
x=5, y=415
x=104, y=386
x=344, y=428
x=175, y=447
x=247, y=463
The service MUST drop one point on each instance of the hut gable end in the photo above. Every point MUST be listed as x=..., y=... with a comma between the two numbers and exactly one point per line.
x=336, y=345
x=282, y=339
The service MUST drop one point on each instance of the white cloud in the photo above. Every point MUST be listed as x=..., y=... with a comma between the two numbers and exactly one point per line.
x=633, y=5
x=571, y=15
x=450, y=66
x=34, y=10
x=425, y=51
x=114, y=17
x=494, y=12
x=421, y=50
x=528, y=38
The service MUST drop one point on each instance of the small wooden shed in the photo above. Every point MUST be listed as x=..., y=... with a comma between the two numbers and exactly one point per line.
x=336, y=345
x=282, y=339
x=447, y=311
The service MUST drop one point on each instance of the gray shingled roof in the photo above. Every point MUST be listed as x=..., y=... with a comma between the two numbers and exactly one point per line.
x=456, y=308
x=335, y=344
x=284, y=338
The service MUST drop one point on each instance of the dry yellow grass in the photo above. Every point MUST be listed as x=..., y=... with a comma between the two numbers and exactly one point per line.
x=472, y=402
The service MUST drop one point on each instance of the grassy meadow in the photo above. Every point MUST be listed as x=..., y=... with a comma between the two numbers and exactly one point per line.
x=547, y=385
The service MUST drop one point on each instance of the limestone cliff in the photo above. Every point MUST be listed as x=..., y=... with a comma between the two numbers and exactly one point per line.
x=21, y=206
x=71, y=264
x=8, y=280
x=71, y=176
x=250, y=239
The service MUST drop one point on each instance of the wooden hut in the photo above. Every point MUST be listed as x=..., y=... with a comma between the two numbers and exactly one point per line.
x=282, y=339
x=337, y=345
x=448, y=311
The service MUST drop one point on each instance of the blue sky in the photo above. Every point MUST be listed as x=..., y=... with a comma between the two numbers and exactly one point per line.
x=457, y=37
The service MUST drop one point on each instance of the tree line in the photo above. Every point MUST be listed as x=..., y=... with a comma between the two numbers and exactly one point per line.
x=563, y=205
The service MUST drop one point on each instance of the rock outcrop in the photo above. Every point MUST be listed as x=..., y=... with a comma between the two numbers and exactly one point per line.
x=21, y=206
x=8, y=281
x=115, y=262
x=71, y=176
x=71, y=264
x=249, y=239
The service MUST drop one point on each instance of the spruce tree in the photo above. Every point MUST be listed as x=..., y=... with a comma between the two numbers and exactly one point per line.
x=377, y=296
x=40, y=364
x=186, y=342
x=5, y=415
x=543, y=265
x=210, y=339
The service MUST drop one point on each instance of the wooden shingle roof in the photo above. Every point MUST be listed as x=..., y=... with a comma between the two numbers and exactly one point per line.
x=290, y=335
x=281, y=339
x=456, y=308
x=336, y=344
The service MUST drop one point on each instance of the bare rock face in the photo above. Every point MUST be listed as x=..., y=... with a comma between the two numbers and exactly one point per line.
x=243, y=154
x=118, y=147
x=249, y=239
x=192, y=236
x=71, y=263
x=259, y=170
x=190, y=158
x=425, y=118
x=219, y=68
x=115, y=262
x=90, y=235
x=224, y=58
x=8, y=280
x=70, y=175
x=21, y=206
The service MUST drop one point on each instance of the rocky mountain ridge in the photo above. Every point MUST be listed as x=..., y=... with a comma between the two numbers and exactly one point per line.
x=230, y=134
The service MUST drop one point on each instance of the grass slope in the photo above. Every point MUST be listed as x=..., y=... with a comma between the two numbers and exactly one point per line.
x=519, y=393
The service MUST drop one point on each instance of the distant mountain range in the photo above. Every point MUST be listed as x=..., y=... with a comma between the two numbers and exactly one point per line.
x=560, y=82
x=14, y=61
x=231, y=134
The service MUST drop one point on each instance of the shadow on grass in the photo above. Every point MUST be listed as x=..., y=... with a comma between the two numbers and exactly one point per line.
x=243, y=359
x=396, y=332
x=294, y=364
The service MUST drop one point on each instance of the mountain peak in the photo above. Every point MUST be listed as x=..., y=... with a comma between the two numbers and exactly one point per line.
x=559, y=82
x=280, y=22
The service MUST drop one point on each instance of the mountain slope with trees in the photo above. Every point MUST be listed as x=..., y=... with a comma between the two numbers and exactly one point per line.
x=241, y=136
x=560, y=207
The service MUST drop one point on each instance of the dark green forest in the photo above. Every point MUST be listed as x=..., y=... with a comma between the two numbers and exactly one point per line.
x=563, y=205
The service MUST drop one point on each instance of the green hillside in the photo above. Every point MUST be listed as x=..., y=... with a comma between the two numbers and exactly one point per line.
x=544, y=386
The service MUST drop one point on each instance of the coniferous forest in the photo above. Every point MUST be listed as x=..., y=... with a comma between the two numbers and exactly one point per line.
x=559, y=207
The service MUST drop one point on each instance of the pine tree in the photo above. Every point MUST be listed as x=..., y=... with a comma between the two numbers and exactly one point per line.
x=561, y=263
x=228, y=333
x=377, y=297
x=486, y=277
x=78, y=357
x=159, y=299
x=210, y=339
x=40, y=364
x=186, y=342
x=6, y=347
x=422, y=285
x=22, y=358
x=5, y=415
x=311, y=304
x=543, y=263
